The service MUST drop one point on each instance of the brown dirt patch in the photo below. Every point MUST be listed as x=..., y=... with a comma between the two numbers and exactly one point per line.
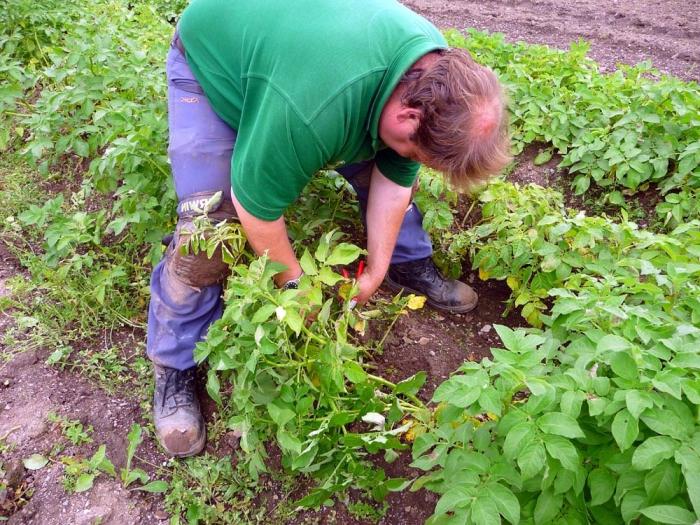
x=29, y=391
x=667, y=33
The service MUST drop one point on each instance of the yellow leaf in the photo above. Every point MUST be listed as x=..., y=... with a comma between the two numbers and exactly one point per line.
x=416, y=302
x=360, y=326
x=513, y=283
x=483, y=274
x=345, y=290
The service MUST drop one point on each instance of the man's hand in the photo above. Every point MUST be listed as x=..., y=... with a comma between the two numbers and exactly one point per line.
x=270, y=237
x=386, y=207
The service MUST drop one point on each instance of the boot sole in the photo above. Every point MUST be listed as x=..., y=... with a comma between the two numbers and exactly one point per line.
x=449, y=309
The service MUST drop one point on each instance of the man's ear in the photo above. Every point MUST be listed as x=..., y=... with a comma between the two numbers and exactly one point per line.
x=408, y=114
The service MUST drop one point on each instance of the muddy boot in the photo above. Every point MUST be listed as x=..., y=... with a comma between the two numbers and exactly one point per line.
x=179, y=424
x=421, y=277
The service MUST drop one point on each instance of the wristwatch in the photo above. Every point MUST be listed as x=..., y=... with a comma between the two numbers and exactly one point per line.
x=292, y=284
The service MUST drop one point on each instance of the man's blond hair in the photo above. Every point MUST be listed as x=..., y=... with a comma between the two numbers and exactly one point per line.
x=463, y=130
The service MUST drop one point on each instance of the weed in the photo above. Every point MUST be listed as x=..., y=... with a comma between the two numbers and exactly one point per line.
x=364, y=511
x=212, y=490
x=71, y=429
x=80, y=473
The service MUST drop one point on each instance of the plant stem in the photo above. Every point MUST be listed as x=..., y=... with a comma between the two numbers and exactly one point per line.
x=466, y=216
x=386, y=333
x=391, y=385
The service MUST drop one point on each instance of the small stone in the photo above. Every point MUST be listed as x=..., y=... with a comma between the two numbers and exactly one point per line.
x=423, y=341
x=6, y=382
x=485, y=329
x=439, y=318
x=26, y=358
x=161, y=515
x=432, y=353
x=14, y=473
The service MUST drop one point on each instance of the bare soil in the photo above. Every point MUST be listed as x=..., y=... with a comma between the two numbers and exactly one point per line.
x=665, y=32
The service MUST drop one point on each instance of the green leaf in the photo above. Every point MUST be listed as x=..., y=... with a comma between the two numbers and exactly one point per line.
x=81, y=148
x=410, y=386
x=581, y=184
x=531, y=460
x=344, y=253
x=213, y=386
x=84, y=482
x=571, y=402
x=653, y=451
x=637, y=401
x=623, y=365
x=490, y=401
x=134, y=439
x=288, y=442
x=459, y=390
x=452, y=499
x=625, y=429
x=280, y=415
x=602, y=485
x=156, y=486
x=669, y=514
x=484, y=511
x=307, y=263
x=506, y=502
x=518, y=437
x=689, y=460
x=398, y=484
x=543, y=157
x=612, y=343
x=263, y=313
x=663, y=482
x=562, y=450
x=354, y=372
x=560, y=424
x=293, y=320
x=667, y=423
x=35, y=462
x=547, y=506
x=328, y=276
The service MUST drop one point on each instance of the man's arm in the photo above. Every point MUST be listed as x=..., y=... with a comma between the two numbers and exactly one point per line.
x=386, y=207
x=270, y=237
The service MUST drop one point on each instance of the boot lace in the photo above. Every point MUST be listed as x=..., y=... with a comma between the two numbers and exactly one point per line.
x=425, y=270
x=179, y=388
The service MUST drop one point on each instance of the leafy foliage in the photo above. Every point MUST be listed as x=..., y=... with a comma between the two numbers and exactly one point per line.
x=621, y=131
x=297, y=378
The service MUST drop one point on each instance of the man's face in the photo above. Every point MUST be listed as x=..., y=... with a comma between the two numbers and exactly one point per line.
x=397, y=124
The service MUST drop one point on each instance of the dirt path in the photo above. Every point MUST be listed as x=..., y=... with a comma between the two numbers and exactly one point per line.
x=667, y=32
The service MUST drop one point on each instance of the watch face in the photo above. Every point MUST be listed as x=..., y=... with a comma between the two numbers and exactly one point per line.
x=291, y=285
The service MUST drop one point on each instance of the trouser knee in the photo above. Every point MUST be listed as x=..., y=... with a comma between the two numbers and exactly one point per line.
x=198, y=269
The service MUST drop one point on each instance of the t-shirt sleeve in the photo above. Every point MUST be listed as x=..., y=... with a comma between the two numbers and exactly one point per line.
x=396, y=168
x=274, y=157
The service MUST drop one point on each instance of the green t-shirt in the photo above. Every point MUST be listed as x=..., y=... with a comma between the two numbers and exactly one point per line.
x=303, y=82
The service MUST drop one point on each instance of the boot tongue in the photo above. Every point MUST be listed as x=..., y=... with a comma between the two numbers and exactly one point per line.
x=427, y=269
x=179, y=388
